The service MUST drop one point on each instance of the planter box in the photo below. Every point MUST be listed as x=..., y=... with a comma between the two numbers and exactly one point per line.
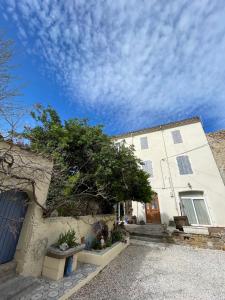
x=102, y=257
x=55, y=252
x=181, y=221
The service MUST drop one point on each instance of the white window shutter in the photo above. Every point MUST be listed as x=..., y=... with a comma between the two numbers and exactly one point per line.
x=177, y=138
x=144, y=142
x=184, y=165
x=147, y=167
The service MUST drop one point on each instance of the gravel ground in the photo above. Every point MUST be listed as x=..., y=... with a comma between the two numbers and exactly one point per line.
x=173, y=272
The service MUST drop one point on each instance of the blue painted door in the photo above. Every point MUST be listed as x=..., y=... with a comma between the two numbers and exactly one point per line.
x=13, y=206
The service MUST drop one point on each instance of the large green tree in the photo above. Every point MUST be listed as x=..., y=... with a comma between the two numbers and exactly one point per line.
x=87, y=165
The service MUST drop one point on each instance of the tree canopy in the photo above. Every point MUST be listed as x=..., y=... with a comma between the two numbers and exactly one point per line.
x=87, y=165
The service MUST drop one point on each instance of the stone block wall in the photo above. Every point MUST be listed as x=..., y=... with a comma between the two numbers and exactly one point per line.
x=217, y=144
x=215, y=240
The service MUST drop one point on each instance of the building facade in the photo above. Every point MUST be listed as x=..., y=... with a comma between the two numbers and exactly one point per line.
x=183, y=174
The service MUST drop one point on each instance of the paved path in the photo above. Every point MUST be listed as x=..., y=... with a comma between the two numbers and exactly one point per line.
x=172, y=272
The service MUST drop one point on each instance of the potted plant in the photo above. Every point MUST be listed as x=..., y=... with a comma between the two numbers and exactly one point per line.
x=181, y=221
x=65, y=249
x=66, y=245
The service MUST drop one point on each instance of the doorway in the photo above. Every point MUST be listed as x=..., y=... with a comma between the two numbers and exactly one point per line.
x=13, y=207
x=153, y=211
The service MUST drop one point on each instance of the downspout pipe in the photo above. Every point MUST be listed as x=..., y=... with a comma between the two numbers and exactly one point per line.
x=169, y=170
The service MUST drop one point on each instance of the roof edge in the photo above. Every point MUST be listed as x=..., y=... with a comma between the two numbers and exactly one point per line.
x=183, y=122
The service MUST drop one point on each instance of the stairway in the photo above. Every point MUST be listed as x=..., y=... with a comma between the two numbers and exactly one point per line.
x=155, y=233
x=13, y=286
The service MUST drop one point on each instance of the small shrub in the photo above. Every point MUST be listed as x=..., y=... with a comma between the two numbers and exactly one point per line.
x=69, y=238
x=96, y=244
x=117, y=235
x=108, y=243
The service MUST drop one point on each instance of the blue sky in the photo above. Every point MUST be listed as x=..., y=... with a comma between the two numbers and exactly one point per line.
x=126, y=64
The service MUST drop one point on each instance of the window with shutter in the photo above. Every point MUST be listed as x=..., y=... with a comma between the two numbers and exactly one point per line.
x=177, y=138
x=147, y=167
x=144, y=142
x=184, y=165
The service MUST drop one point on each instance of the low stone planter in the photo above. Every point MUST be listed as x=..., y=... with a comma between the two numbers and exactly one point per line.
x=55, y=259
x=102, y=257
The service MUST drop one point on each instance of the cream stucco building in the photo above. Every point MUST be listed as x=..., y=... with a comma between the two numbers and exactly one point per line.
x=183, y=173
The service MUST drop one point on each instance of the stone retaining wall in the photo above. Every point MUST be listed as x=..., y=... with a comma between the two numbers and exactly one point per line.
x=215, y=240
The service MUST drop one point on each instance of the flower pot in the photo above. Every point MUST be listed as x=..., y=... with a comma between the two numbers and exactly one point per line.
x=181, y=221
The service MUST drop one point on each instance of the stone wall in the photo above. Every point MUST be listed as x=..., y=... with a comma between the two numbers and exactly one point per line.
x=45, y=232
x=217, y=143
x=215, y=239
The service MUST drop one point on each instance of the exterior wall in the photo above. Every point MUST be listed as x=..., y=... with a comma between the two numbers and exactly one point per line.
x=139, y=211
x=38, y=233
x=45, y=232
x=168, y=182
x=27, y=165
x=217, y=143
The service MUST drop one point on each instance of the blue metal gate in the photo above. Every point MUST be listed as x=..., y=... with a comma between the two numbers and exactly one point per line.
x=13, y=206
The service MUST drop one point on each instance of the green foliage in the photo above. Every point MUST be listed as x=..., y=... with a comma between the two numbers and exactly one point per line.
x=117, y=235
x=108, y=243
x=86, y=163
x=96, y=244
x=69, y=237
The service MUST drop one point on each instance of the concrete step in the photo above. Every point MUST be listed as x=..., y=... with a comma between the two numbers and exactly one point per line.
x=149, y=234
x=149, y=239
x=7, y=271
x=7, y=267
x=153, y=245
x=17, y=286
x=31, y=285
x=7, y=276
x=146, y=228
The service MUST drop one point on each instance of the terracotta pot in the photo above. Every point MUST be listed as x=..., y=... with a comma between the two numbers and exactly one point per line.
x=181, y=221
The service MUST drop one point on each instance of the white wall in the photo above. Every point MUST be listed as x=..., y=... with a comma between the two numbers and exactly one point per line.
x=167, y=182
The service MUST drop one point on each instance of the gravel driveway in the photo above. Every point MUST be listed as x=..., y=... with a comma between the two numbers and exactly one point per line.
x=173, y=272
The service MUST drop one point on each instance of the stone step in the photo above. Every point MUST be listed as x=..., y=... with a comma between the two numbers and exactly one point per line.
x=17, y=286
x=7, y=271
x=7, y=276
x=149, y=239
x=149, y=234
x=28, y=289
x=7, y=267
x=154, y=245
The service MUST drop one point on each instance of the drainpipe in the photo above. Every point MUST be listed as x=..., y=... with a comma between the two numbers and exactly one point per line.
x=170, y=174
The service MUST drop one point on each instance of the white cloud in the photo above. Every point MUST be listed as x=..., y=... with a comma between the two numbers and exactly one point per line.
x=147, y=60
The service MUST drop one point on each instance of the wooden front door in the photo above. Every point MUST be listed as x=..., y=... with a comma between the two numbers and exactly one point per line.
x=152, y=211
